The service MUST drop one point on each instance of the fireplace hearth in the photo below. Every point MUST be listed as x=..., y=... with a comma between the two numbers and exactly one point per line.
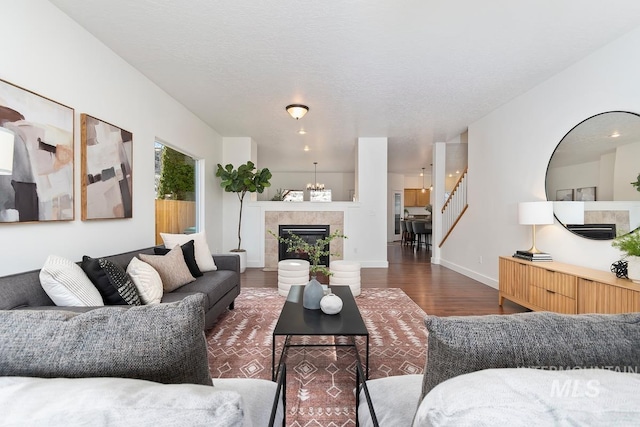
x=309, y=233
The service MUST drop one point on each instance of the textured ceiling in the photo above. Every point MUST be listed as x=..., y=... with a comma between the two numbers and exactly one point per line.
x=415, y=71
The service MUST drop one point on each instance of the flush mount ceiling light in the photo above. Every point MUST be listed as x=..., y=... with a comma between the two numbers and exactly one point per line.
x=297, y=111
x=302, y=132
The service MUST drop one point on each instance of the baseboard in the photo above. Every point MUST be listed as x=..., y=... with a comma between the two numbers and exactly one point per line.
x=470, y=273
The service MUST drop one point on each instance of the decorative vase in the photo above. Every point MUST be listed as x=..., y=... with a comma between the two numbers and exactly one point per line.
x=633, y=268
x=312, y=295
x=331, y=304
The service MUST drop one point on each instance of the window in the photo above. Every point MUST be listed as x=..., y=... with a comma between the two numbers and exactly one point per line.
x=175, y=183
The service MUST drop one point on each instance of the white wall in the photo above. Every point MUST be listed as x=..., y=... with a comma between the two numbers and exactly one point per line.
x=48, y=53
x=508, y=154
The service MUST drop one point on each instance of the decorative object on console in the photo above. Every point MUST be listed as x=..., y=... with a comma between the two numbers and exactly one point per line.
x=535, y=213
x=316, y=186
x=240, y=181
x=37, y=138
x=331, y=304
x=619, y=268
x=6, y=151
x=297, y=111
x=630, y=245
x=107, y=154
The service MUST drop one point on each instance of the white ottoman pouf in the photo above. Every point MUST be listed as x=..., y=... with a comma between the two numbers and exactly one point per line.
x=292, y=272
x=345, y=273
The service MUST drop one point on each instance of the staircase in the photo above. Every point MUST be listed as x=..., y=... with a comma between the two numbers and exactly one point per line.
x=455, y=206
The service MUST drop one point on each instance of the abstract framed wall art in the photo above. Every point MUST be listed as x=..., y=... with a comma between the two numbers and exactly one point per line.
x=586, y=194
x=36, y=152
x=106, y=157
x=564, y=195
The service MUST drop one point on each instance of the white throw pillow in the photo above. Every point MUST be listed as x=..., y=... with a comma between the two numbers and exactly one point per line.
x=67, y=284
x=147, y=281
x=202, y=253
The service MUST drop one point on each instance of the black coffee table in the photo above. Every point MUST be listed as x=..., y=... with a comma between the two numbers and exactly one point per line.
x=295, y=320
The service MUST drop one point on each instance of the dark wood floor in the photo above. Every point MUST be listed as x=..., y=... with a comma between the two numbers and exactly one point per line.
x=437, y=290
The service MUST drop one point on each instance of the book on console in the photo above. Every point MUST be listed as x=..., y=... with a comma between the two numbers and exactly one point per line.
x=534, y=254
x=546, y=257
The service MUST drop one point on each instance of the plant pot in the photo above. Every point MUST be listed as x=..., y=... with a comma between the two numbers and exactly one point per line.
x=633, y=268
x=243, y=258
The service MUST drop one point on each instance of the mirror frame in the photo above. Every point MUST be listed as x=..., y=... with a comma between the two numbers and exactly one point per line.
x=588, y=231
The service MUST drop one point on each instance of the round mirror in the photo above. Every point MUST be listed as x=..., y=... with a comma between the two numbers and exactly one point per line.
x=593, y=175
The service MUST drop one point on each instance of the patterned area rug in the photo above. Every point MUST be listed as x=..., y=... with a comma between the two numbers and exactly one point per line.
x=320, y=380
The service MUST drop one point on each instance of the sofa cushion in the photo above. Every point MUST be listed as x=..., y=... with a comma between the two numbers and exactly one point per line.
x=116, y=402
x=525, y=397
x=67, y=284
x=172, y=268
x=461, y=344
x=202, y=252
x=147, y=281
x=113, y=283
x=163, y=343
x=188, y=251
x=214, y=284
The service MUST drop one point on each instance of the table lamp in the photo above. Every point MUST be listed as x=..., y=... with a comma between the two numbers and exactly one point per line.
x=535, y=213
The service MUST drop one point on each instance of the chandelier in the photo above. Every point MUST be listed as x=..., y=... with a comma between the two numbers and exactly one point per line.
x=317, y=186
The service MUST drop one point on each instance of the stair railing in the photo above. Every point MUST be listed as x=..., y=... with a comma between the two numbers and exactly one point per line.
x=455, y=206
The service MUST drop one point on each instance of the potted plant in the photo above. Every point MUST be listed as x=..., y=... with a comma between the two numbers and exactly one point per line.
x=245, y=179
x=630, y=245
x=637, y=183
x=313, y=291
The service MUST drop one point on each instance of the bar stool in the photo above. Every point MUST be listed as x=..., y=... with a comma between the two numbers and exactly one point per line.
x=420, y=230
x=404, y=232
x=410, y=235
x=292, y=272
x=345, y=273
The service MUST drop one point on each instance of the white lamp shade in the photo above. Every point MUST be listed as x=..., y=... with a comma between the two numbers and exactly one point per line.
x=6, y=151
x=535, y=213
x=569, y=212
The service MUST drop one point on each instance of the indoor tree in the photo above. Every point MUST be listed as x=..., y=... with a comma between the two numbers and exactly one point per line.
x=245, y=179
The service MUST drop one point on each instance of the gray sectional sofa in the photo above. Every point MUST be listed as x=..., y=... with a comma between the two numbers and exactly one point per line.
x=520, y=370
x=220, y=287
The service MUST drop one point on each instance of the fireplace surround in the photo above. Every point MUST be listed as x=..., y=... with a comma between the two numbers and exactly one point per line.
x=273, y=219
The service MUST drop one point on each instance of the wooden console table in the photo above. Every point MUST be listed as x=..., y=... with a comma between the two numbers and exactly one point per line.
x=565, y=288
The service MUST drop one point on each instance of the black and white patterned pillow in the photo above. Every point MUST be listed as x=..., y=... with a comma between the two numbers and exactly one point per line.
x=113, y=283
